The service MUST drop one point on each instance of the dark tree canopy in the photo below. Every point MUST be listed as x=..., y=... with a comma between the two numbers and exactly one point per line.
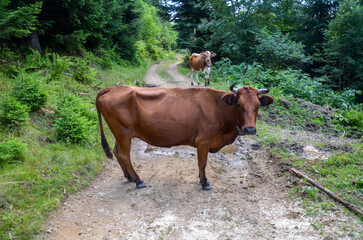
x=318, y=37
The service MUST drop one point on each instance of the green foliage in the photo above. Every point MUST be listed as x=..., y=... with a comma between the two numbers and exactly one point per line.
x=73, y=42
x=12, y=150
x=83, y=73
x=75, y=122
x=343, y=50
x=341, y=172
x=35, y=61
x=188, y=17
x=277, y=50
x=59, y=66
x=18, y=23
x=312, y=192
x=353, y=119
x=156, y=37
x=29, y=191
x=290, y=82
x=107, y=57
x=29, y=91
x=12, y=112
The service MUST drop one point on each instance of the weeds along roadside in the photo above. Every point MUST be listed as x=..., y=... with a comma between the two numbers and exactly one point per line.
x=49, y=144
x=334, y=162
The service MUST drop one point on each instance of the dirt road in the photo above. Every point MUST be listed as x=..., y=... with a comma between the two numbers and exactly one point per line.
x=250, y=199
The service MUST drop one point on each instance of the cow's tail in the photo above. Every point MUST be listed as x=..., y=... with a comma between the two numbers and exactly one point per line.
x=104, y=142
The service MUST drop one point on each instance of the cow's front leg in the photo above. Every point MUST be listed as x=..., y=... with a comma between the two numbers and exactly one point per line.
x=196, y=74
x=191, y=77
x=202, y=163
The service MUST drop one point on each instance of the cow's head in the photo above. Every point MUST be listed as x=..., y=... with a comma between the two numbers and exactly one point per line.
x=206, y=57
x=246, y=102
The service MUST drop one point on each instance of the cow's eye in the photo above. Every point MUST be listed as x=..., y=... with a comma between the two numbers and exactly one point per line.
x=238, y=105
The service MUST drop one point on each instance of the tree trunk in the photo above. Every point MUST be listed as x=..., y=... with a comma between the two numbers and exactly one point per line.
x=33, y=42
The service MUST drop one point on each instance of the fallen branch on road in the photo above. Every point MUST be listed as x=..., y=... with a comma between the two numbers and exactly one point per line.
x=327, y=191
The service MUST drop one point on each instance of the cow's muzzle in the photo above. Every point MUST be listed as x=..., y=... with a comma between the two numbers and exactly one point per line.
x=249, y=131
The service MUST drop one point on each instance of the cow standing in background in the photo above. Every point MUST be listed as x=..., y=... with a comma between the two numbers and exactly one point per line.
x=205, y=118
x=201, y=63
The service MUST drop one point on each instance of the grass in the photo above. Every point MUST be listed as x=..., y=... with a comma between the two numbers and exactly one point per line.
x=30, y=190
x=163, y=73
x=341, y=173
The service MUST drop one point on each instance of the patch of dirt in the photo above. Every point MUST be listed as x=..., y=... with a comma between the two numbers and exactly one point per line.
x=154, y=80
x=250, y=199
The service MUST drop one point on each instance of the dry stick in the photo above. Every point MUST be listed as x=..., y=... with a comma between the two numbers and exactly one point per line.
x=336, y=197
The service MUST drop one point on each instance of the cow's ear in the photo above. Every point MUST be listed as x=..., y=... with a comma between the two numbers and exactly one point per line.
x=213, y=54
x=266, y=100
x=230, y=99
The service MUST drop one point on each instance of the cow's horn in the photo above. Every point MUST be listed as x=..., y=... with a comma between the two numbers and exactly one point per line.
x=262, y=91
x=233, y=89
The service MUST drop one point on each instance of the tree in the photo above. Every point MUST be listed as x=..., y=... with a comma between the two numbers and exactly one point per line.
x=343, y=50
x=189, y=14
x=19, y=22
x=277, y=50
x=155, y=35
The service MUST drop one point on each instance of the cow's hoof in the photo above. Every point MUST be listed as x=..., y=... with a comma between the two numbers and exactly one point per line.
x=192, y=84
x=207, y=187
x=198, y=84
x=141, y=185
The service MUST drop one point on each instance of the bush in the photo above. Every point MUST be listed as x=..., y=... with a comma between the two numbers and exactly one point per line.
x=36, y=61
x=59, y=66
x=12, y=112
x=291, y=82
x=107, y=57
x=12, y=150
x=351, y=119
x=277, y=50
x=83, y=73
x=29, y=91
x=75, y=121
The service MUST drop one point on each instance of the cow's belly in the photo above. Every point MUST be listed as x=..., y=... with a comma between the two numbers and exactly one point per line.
x=169, y=123
x=167, y=135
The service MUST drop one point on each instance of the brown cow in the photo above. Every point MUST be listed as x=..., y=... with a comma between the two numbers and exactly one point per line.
x=204, y=118
x=201, y=63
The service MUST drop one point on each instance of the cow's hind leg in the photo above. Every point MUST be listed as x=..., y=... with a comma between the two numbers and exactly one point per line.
x=122, y=153
x=202, y=163
x=206, y=81
x=126, y=173
x=191, y=77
